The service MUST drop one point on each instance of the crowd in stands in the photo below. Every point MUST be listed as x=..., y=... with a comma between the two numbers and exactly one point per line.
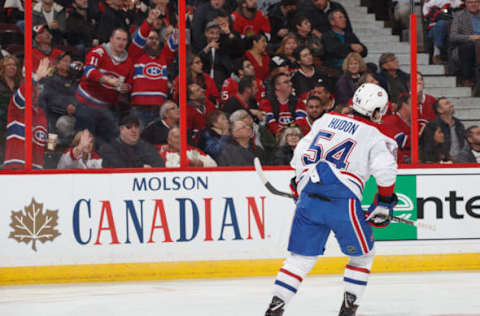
x=106, y=82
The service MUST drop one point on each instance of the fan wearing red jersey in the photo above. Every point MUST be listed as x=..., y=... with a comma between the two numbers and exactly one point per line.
x=15, y=140
x=248, y=20
x=107, y=74
x=399, y=126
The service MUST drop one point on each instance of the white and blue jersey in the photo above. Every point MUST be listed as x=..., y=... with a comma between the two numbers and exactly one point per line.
x=332, y=163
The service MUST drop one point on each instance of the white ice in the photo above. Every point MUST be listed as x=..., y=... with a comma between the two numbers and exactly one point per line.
x=406, y=294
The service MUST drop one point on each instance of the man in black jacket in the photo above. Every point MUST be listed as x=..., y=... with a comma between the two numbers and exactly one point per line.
x=281, y=16
x=471, y=152
x=451, y=127
x=339, y=41
x=128, y=150
x=391, y=78
x=317, y=12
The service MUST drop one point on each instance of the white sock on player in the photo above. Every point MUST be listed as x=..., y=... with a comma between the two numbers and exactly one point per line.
x=356, y=274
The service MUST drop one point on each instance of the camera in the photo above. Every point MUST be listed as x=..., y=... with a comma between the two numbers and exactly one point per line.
x=75, y=70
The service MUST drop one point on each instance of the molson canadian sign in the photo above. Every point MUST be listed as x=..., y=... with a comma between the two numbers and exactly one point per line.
x=187, y=216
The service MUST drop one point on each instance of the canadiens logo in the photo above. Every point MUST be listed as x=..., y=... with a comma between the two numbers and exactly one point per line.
x=153, y=71
x=285, y=120
x=39, y=135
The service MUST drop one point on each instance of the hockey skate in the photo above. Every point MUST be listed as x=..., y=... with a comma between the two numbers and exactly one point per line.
x=348, y=306
x=276, y=307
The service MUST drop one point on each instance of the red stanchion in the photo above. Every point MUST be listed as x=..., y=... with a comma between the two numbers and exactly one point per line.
x=182, y=78
x=28, y=85
x=413, y=87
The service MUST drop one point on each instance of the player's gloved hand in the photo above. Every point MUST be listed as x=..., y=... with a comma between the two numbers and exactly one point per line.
x=381, y=208
x=293, y=189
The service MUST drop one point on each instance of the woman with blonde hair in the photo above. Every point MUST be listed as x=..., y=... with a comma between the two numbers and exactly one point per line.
x=81, y=154
x=10, y=80
x=287, y=47
x=353, y=67
x=288, y=141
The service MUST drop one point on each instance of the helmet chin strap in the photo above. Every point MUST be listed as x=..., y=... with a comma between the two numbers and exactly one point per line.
x=376, y=116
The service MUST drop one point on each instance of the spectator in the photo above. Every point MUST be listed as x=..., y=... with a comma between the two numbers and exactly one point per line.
x=433, y=148
x=197, y=110
x=157, y=131
x=281, y=16
x=112, y=19
x=281, y=107
x=42, y=46
x=340, y=41
x=257, y=54
x=150, y=78
x=108, y=74
x=247, y=90
x=128, y=150
x=248, y=20
x=81, y=155
x=425, y=104
x=437, y=15
x=307, y=75
x=452, y=128
x=81, y=27
x=394, y=80
x=464, y=37
x=289, y=140
x=215, y=59
x=204, y=13
x=170, y=153
x=317, y=12
x=305, y=36
x=259, y=133
x=278, y=65
x=10, y=80
x=366, y=78
x=287, y=47
x=167, y=10
x=58, y=95
x=15, y=12
x=15, y=140
x=196, y=75
x=211, y=139
x=399, y=126
x=241, y=68
x=230, y=40
x=314, y=108
x=239, y=152
x=471, y=152
x=353, y=67
x=47, y=12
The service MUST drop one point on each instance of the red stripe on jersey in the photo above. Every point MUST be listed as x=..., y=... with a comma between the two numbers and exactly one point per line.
x=358, y=229
x=291, y=274
x=354, y=176
x=357, y=269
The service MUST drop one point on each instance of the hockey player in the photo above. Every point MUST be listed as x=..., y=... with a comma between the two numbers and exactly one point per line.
x=332, y=164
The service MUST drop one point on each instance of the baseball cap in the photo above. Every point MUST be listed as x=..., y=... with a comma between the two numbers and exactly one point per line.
x=129, y=119
x=211, y=24
x=39, y=29
x=277, y=61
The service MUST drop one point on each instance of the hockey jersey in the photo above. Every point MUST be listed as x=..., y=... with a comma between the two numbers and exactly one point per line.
x=345, y=149
x=261, y=71
x=401, y=131
x=100, y=62
x=251, y=27
x=15, y=140
x=285, y=116
x=69, y=161
x=230, y=88
x=150, y=75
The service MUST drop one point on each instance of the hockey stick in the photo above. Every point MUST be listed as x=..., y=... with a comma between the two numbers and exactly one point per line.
x=273, y=190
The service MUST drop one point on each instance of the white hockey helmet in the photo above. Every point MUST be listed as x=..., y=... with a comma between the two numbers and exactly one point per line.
x=368, y=98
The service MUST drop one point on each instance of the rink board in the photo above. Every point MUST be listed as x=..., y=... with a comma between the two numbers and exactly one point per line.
x=165, y=225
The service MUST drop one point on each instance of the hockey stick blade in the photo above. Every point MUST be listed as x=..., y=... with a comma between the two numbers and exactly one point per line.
x=273, y=190
x=266, y=183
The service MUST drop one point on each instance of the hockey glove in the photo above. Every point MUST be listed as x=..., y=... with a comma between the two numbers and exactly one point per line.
x=381, y=209
x=293, y=189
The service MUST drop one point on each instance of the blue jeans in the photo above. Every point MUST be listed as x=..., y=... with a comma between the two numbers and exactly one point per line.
x=438, y=33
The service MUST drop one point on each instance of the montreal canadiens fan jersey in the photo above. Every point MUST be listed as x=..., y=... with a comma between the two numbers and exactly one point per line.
x=349, y=150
